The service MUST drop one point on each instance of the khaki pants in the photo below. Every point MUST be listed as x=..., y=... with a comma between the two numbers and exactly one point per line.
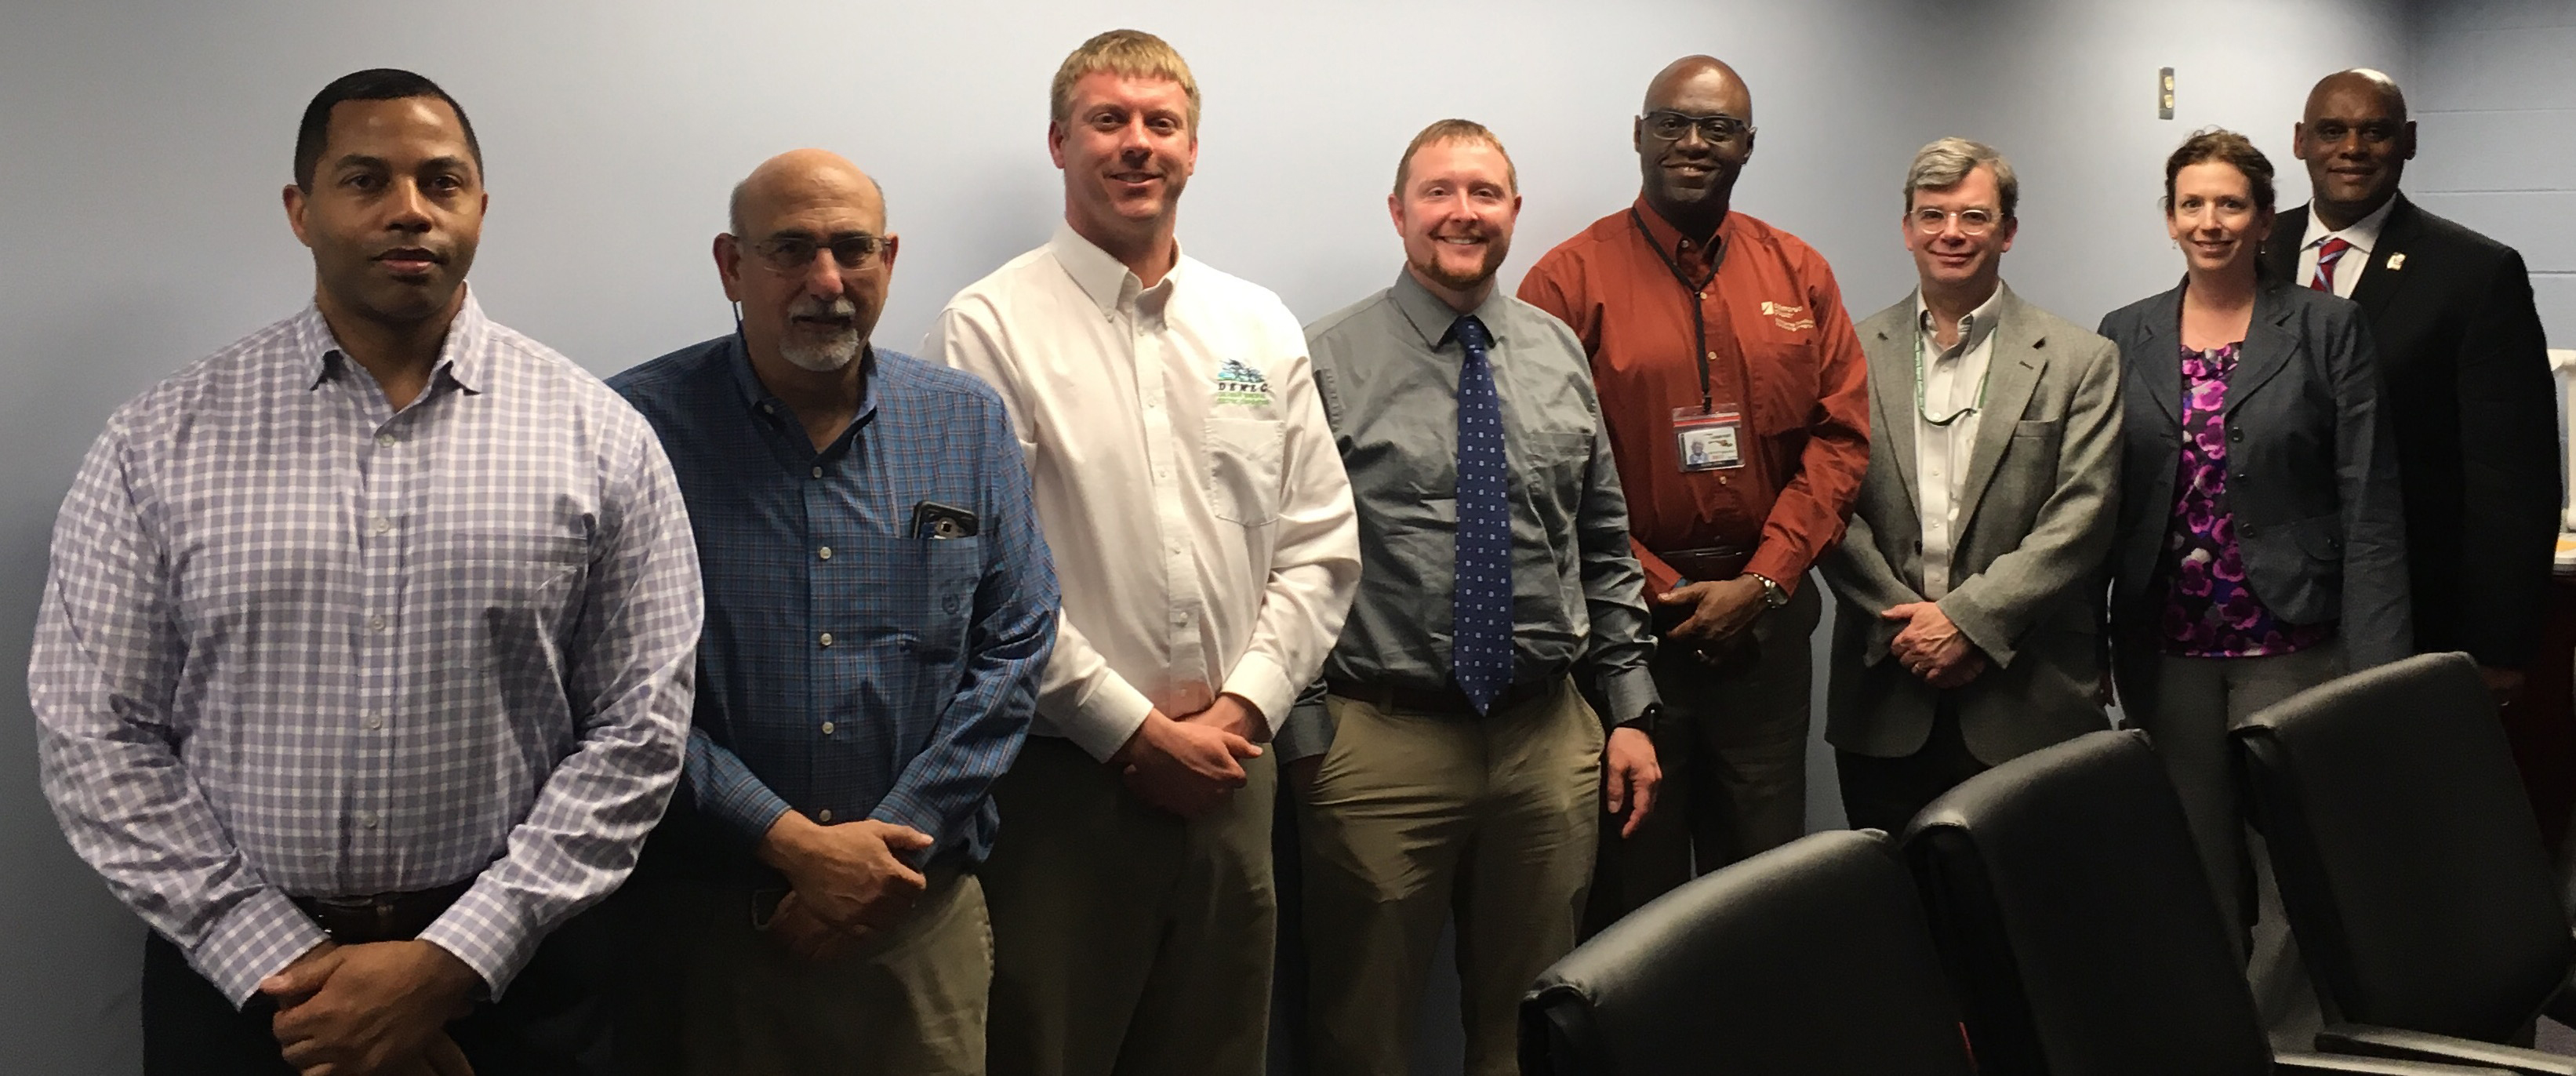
x=1733, y=746
x=1415, y=816
x=1127, y=941
x=711, y=994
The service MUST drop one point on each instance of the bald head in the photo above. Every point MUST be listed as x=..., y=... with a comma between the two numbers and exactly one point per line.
x=2355, y=139
x=2357, y=82
x=809, y=261
x=804, y=178
x=1692, y=140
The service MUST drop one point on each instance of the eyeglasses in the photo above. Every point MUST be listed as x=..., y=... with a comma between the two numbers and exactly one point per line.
x=1930, y=221
x=1717, y=129
x=792, y=253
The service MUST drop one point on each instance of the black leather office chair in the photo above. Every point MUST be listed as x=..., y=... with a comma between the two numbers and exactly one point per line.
x=2078, y=927
x=2410, y=864
x=1810, y=958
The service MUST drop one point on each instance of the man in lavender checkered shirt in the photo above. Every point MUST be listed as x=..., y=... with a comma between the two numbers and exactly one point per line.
x=365, y=657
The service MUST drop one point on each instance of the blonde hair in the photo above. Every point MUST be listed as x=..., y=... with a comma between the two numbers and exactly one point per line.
x=1132, y=53
x=1454, y=131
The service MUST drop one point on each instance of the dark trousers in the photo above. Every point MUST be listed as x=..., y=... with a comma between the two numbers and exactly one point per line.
x=1733, y=745
x=1885, y=793
x=553, y=1020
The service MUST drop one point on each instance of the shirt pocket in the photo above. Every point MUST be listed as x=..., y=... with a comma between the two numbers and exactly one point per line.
x=1243, y=469
x=522, y=592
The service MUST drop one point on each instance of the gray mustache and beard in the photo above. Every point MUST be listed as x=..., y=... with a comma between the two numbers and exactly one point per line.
x=822, y=347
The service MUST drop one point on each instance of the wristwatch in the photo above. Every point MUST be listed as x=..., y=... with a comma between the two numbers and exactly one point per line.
x=1645, y=720
x=1772, y=596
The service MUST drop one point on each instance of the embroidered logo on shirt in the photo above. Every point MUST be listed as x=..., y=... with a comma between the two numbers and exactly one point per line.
x=1241, y=385
x=1786, y=316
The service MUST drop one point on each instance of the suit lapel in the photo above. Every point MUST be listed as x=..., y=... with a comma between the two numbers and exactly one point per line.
x=2268, y=346
x=1891, y=379
x=2281, y=251
x=2381, y=281
x=2159, y=368
x=2014, y=363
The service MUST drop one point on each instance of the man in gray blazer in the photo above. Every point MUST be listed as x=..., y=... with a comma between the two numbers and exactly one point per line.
x=1970, y=579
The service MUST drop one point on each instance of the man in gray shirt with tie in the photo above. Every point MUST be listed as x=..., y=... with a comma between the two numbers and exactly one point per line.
x=1446, y=760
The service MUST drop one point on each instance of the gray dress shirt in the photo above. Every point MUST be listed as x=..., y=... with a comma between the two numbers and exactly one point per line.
x=1387, y=368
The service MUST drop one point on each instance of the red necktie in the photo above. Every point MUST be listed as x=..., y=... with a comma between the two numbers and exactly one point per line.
x=2327, y=256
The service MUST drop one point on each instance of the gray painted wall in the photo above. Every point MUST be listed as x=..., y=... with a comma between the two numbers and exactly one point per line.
x=147, y=143
x=2495, y=110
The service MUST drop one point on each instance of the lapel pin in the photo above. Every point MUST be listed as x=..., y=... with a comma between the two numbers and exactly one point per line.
x=2396, y=262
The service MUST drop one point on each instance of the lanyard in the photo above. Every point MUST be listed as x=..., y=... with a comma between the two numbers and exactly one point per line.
x=1961, y=413
x=1699, y=294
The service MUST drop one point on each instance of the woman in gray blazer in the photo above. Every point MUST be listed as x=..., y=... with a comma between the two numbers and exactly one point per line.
x=2259, y=548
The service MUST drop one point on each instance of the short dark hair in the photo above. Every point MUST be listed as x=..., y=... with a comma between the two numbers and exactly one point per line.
x=373, y=84
x=2227, y=147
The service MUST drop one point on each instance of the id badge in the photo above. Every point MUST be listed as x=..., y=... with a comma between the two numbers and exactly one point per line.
x=1709, y=440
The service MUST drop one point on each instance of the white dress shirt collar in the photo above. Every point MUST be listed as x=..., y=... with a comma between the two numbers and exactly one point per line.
x=2363, y=235
x=1100, y=275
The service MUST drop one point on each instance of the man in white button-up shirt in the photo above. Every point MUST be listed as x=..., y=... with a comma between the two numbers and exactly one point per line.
x=1190, y=491
x=1970, y=573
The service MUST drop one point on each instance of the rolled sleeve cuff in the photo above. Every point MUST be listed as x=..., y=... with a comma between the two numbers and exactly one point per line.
x=1261, y=682
x=489, y=932
x=1779, y=565
x=1628, y=692
x=257, y=939
x=1307, y=732
x=1107, y=718
x=901, y=809
x=749, y=810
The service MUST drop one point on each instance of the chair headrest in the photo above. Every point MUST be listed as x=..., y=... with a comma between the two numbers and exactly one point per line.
x=1810, y=957
x=2408, y=855
x=2073, y=908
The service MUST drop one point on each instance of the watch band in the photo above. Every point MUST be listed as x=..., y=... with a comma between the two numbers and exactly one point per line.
x=1773, y=596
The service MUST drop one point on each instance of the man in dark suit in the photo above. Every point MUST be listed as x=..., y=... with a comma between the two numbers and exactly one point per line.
x=2462, y=362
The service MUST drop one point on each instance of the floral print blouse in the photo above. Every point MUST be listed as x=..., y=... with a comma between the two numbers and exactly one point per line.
x=2209, y=609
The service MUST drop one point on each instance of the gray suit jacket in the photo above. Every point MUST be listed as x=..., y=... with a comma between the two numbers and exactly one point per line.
x=2035, y=523
x=2311, y=482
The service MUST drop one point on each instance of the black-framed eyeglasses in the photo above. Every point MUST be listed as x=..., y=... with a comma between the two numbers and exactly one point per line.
x=792, y=253
x=1717, y=129
x=1929, y=220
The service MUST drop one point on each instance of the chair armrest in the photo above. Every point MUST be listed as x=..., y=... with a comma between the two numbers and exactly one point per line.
x=2370, y=1041
x=2303, y=1064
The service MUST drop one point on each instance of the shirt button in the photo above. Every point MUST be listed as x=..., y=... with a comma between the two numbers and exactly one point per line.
x=368, y=820
x=1712, y=356
x=376, y=622
x=825, y=552
x=827, y=728
x=824, y=815
x=376, y=720
x=818, y=472
x=385, y=439
x=827, y=639
x=383, y=524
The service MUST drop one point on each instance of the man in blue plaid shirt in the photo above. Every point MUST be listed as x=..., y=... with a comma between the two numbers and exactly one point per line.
x=879, y=608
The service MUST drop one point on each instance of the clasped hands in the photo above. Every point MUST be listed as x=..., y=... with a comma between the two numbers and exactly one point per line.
x=1721, y=610
x=845, y=881
x=377, y=1009
x=1931, y=647
x=1188, y=765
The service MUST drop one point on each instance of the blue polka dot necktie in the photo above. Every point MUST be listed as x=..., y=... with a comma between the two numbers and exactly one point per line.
x=1480, y=639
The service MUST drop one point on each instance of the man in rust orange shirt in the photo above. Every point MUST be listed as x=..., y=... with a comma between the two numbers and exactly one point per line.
x=1735, y=394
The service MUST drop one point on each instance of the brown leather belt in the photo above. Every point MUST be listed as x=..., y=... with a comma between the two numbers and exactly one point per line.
x=1448, y=700
x=382, y=917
